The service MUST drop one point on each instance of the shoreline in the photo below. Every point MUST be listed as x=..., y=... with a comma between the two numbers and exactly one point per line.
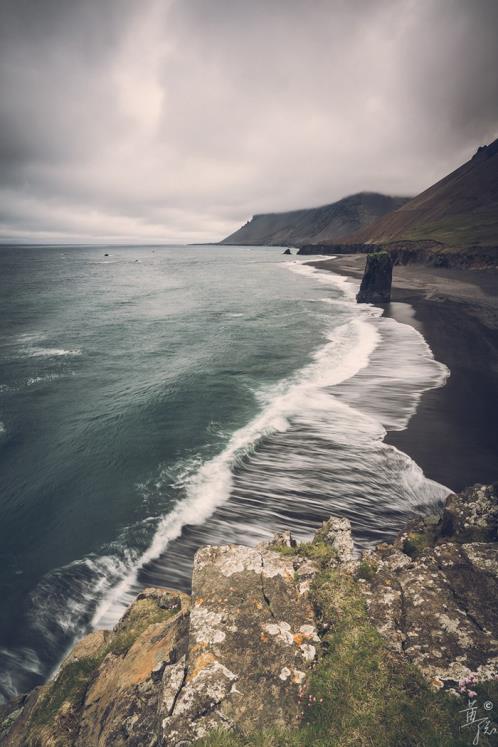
x=453, y=436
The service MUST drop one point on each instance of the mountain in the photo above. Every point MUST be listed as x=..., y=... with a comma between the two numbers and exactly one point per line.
x=315, y=225
x=460, y=211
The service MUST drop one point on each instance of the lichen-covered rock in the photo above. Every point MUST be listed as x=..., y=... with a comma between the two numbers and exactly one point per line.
x=107, y=690
x=435, y=601
x=282, y=539
x=336, y=532
x=252, y=643
x=469, y=516
x=122, y=704
x=472, y=516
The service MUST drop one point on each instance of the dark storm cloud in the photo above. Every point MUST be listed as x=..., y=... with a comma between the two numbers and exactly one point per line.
x=177, y=119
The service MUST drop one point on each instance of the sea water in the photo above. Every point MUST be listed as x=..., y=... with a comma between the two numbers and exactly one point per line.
x=155, y=399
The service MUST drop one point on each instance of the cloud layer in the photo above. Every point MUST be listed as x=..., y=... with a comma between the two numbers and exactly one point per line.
x=176, y=120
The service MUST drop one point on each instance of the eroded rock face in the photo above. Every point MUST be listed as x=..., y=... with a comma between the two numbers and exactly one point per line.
x=472, y=515
x=107, y=691
x=252, y=643
x=123, y=703
x=377, y=279
x=336, y=532
x=436, y=602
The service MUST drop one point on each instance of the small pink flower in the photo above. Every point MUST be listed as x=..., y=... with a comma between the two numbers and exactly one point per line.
x=472, y=694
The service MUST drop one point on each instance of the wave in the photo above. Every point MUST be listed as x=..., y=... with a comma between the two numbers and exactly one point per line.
x=18, y=667
x=45, y=378
x=52, y=353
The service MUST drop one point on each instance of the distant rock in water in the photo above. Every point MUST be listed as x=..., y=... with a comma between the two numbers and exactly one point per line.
x=287, y=251
x=377, y=279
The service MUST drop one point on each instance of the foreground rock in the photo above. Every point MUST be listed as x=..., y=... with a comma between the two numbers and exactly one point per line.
x=377, y=279
x=433, y=595
x=292, y=640
x=252, y=641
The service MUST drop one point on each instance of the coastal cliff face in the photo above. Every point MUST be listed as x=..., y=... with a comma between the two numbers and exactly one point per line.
x=331, y=249
x=429, y=253
x=288, y=644
x=377, y=279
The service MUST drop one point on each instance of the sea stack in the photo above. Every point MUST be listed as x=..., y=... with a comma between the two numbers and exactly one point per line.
x=287, y=251
x=377, y=279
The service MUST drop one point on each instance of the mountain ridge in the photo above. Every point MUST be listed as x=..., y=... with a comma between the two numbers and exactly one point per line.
x=318, y=224
x=459, y=211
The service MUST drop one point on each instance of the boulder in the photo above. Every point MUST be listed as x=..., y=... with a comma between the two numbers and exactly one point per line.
x=336, y=532
x=252, y=643
x=431, y=595
x=472, y=515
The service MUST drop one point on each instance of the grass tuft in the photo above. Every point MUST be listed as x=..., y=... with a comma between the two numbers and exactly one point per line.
x=414, y=544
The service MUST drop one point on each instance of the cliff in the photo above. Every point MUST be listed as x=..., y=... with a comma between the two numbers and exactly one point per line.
x=287, y=645
x=314, y=225
x=377, y=279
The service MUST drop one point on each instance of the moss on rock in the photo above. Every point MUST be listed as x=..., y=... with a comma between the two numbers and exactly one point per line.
x=414, y=544
x=359, y=693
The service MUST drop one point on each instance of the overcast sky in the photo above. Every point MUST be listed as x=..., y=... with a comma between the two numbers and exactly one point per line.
x=176, y=120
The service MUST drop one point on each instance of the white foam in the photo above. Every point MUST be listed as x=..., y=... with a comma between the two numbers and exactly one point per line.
x=27, y=337
x=21, y=659
x=346, y=285
x=34, y=380
x=53, y=352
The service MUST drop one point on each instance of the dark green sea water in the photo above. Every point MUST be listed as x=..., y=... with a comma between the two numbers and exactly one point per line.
x=157, y=399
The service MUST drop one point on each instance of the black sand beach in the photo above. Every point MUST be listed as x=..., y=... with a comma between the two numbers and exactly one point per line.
x=454, y=434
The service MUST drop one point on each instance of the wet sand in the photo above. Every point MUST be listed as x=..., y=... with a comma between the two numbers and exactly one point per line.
x=454, y=434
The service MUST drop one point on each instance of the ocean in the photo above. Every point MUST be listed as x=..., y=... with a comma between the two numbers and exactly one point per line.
x=155, y=399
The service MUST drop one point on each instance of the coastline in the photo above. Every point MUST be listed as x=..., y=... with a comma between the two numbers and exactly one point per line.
x=453, y=435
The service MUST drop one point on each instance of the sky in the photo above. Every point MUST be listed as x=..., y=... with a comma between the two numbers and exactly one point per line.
x=174, y=121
